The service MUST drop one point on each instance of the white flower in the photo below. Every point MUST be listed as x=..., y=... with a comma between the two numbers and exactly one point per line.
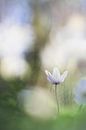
x=37, y=102
x=56, y=78
x=80, y=93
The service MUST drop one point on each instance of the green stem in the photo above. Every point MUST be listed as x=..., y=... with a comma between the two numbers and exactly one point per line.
x=80, y=108
x=50, y=89
x=56, y=98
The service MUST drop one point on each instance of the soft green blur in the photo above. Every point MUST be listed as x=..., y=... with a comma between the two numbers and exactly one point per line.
x=57, y=34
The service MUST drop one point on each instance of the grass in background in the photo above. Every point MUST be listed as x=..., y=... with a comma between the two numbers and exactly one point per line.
x=69, y=119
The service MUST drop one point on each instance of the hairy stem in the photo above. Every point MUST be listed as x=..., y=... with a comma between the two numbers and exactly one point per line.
x=80, y=108
x=56, y=98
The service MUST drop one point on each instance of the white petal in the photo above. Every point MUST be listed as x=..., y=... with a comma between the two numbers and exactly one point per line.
x=46, y=72
x=56, y=74
x=63, y=76
x=49, y=76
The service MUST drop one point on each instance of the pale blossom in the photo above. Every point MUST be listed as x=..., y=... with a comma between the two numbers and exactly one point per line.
x=55, y=77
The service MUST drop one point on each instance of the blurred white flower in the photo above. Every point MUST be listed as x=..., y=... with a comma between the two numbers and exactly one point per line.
x=80, y=93
x=13, y=67
x=38, y=103
x=56, y=78
x=15, y=40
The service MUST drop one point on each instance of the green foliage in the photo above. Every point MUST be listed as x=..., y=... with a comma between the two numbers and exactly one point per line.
x=9, y=90
x=69, y=119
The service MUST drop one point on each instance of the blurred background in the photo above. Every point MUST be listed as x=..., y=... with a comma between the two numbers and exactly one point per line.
x=36, y=35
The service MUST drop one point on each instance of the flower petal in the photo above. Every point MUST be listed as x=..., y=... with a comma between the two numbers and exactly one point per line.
x=63, y=76
x=56, y=74
x=49, y=76
x=47, y=72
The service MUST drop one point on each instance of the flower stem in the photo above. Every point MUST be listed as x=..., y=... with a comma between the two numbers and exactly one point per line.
x=56, y=98
x=80, y=108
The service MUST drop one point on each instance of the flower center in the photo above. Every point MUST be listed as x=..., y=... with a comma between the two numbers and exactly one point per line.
x=56, y=83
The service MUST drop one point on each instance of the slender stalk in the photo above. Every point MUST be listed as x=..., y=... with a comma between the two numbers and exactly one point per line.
x=64, y=91
x=50, y=88
x=80, y=108
x=56, y=98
